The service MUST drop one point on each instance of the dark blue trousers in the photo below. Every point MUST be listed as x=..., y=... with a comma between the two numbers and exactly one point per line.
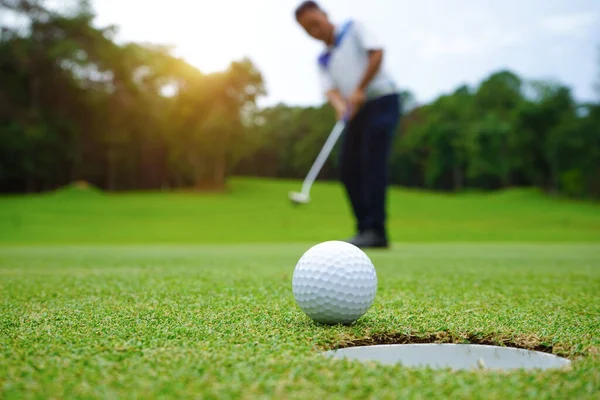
x=364, y=160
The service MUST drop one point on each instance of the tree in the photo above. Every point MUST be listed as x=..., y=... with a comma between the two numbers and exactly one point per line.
x=79, y=106
x=539, y=121
x=598, y=77
x=487, y=151
x=75, y=105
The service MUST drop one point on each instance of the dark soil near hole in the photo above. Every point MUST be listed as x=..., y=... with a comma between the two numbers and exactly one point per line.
x=527, y=342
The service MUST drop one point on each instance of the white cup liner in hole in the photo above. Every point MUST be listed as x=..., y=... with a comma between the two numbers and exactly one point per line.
x=453, y=356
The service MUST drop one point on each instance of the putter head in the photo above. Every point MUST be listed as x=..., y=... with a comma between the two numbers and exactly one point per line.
x=299, y=198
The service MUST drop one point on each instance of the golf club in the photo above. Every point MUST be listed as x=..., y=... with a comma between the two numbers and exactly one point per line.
x=303, y=197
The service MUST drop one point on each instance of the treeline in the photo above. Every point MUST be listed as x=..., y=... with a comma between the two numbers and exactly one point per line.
x=75, y=105
x=506, y=132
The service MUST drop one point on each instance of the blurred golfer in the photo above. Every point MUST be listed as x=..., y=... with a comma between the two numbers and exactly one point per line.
x=357, y=86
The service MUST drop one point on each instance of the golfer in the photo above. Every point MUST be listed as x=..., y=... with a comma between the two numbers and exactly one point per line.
x=358, y=88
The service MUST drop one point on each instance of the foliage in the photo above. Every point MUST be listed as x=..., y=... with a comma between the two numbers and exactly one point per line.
x=76, y=105
x=506, y=132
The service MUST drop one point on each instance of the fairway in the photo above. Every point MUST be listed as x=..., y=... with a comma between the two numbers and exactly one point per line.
x=131, y=295
x=258, y=211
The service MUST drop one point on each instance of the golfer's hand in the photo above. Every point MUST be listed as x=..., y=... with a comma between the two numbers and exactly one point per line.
x=340, y=105
x=340, y=113
x=356, y=101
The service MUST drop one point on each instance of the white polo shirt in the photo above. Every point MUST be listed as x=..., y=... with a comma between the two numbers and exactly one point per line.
x=343, y=65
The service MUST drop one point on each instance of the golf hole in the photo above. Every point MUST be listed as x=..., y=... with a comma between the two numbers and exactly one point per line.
x=451, y=355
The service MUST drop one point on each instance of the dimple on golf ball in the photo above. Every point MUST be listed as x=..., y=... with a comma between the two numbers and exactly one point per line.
x=334, y=282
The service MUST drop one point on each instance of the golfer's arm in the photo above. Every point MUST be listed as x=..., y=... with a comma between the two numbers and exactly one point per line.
x=375, y=58
x=336, y=100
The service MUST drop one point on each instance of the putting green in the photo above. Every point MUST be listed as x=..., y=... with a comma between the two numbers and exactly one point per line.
x=221, y=322
x=171, y=295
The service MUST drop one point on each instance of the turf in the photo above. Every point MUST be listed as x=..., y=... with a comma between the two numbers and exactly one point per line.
x=258, y=211
x=93, y=315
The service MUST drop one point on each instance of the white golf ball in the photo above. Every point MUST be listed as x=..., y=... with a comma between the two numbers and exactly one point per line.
x=334, y=282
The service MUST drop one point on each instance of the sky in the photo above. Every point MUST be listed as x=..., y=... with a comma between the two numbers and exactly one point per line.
x=431, y=46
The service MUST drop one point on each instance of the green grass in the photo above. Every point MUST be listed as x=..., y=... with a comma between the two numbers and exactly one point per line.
x=257, y=211
x=129, y=296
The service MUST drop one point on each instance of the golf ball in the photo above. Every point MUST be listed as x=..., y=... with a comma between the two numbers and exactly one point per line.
x=334, y=282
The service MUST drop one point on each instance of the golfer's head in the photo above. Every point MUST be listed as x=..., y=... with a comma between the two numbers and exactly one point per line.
x=314, y=20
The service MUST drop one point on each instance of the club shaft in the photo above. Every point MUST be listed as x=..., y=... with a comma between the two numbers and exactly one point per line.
x=322, y=157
